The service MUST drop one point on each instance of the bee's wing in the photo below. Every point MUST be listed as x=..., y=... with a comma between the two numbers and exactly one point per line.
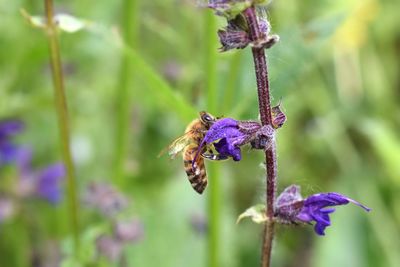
x=177, y=145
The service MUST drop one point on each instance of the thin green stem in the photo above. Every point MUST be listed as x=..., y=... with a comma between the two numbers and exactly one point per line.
x=129, y=27
x=63, y=121
x=214, y=204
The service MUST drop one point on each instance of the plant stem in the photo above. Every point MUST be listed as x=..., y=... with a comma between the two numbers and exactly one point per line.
x=261, y=69
x=214, y=193
x=129, y=32
x=63, y=121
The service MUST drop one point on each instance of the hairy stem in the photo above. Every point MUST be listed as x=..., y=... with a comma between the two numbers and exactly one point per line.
x=214, y=193
x=264, y=100
x=129, y=32
x=63, y=121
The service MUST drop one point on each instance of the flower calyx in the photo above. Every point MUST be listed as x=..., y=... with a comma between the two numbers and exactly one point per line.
x=236, y=34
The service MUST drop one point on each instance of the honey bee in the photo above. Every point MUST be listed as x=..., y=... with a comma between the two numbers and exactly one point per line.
x=188, y=144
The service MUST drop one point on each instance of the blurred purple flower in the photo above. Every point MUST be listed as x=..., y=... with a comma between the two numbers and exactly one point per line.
x=7, y=208
x=291, y=208
x=129, y=231
x=172, y=70
x=199, y=223
x=8, y=150
x=45, y=183
x=105, y=198
x=109, y=247
x=49, y=182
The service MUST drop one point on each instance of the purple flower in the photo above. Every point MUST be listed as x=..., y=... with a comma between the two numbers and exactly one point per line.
x=228, y=135
x=291, y=208
x=8, y=150
x=45, y=183
x=315, y=209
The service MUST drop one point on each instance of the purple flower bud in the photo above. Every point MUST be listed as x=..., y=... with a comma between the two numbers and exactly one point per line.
x=278, y=117
x=291, y=208
x=231, y=39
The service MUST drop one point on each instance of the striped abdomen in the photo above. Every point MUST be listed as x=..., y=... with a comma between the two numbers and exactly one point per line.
x=196, y=172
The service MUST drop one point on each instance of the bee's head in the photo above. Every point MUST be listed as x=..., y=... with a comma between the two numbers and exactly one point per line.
x=207, y=118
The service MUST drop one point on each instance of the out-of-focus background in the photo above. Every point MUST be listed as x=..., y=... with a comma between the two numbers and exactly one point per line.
x=137, y=73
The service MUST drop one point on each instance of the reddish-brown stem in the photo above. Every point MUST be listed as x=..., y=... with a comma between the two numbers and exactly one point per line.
x=260, y=64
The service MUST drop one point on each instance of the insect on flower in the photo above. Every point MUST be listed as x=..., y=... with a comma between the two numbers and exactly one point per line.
x=188, y=144
x=227, y=135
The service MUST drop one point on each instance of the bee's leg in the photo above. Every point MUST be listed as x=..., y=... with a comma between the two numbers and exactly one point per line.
x=211, y=156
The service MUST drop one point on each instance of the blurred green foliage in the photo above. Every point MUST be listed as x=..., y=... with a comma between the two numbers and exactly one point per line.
x=336, y=70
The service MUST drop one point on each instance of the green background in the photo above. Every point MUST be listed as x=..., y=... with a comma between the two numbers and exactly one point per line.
x=336, y=70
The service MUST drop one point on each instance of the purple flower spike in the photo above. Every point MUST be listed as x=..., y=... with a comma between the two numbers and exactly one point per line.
x=314, y=209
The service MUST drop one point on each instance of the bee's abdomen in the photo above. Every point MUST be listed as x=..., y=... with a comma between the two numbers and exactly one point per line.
x=196, y=174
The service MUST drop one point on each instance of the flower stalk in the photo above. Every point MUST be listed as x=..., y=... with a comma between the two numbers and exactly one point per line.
x=264, y=100
x=63, y=120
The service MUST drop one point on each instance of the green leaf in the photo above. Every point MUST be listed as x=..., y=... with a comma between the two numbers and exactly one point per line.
x=87, y=250
x=256, y=214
